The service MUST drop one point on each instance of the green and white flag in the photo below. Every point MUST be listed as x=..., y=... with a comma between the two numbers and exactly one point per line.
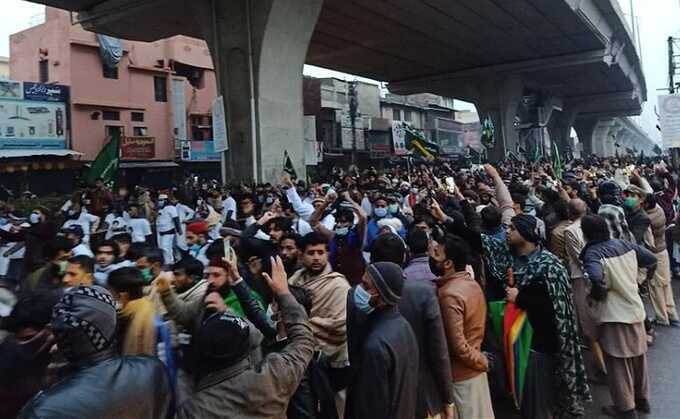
x=105, y=165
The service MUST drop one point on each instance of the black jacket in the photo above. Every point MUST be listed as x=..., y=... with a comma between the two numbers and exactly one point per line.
x=119, y=387
x=420, y=307
x=385, y=379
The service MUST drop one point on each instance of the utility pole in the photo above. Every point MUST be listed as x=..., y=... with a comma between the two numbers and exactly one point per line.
x=353, y=105
x=671, y=65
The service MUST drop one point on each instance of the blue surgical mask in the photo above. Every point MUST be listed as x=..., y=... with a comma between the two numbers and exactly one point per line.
x=393, y=208
x=34, y=218
x=342, y=231
x=380, y=212
x=194, y=249
x=362, y=300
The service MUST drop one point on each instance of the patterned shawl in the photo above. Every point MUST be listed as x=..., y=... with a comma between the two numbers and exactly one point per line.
x=543, y=266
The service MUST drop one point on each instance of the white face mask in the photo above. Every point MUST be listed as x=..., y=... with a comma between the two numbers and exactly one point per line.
x=119, y=306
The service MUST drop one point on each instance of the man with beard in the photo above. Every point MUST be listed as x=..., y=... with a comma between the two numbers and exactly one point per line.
x=106, y=258
x=555, y=378
x=289, y=251
x=329, y=309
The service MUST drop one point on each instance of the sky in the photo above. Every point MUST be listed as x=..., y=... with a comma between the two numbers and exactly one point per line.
x=658, y=19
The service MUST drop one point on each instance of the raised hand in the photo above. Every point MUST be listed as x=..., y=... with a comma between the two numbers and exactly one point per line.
x=278, y=281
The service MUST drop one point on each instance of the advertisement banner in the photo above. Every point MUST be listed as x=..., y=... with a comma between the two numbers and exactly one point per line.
x=669, y=120
x=31, y=124
x=199, y=151
x=138, y=148
x=399, y=138
x=219, y=125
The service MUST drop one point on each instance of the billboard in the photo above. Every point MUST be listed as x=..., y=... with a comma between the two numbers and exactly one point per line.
x=32, y=115
x=199, y=151
x=669, y=120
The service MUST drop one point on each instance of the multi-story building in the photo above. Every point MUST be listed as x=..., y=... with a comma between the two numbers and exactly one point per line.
x=157, y=97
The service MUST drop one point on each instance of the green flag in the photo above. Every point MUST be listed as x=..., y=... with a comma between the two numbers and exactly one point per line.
x=105, y=165
x=415, y=141
x=557, y=162
x=288, y=165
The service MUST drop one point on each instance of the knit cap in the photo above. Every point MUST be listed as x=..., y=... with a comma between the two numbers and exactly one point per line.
x=84, y=322
x=388, y=278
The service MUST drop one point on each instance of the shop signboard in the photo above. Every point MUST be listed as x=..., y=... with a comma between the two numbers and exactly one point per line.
x=142, y=148
x=32, y=115
x=669, y=120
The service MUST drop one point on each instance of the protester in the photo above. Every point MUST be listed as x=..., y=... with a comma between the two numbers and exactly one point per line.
x=464, y=316
x=192, y=260
x=84, y=325
x=384, y=380
x=612, y=267
x=255, y=391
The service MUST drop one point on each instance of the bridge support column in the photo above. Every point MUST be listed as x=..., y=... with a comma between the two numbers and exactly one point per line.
x=585, y=130
x=559, y=128
x=258, y=49
x=499, y=100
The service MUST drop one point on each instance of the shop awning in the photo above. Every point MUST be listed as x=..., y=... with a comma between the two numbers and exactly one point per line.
x=12, y=154
x=147, y=164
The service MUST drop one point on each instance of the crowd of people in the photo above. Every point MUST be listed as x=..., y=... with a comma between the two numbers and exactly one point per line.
x=364, y=296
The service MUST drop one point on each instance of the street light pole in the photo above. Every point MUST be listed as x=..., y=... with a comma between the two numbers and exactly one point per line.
x=353, y=104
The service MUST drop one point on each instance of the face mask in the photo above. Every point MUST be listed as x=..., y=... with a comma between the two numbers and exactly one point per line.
x=630, y=203
x=62, y=267
x=380, y=212
x=269, y=200
x=161, y=204
x=34, y=218
x=3, y=221
x=436, y=267
x=147, y=275
x=312, y=195
x=342, y=231
x=119, y=306
x=393, y=208
x=194, y=249
x=362, y=300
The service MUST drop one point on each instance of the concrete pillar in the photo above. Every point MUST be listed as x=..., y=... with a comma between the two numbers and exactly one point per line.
x=601, y=139
x=559, y=128
x=585, y=130
x=499, y=99
x=259, y=49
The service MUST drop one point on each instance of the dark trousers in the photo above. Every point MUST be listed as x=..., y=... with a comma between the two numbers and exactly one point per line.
x=538, y=400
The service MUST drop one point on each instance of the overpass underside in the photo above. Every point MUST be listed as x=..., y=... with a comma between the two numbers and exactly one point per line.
x=574, y=60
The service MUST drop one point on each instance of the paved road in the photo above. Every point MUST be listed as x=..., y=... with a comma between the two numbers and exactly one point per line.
x=664, y=364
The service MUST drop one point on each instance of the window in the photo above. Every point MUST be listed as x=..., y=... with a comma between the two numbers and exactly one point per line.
x=396, y=114
x=111, y=115
x=201, y=127
x=137, y=116
x=408, y=116
x=139, y=131
x=160, y=88
x=110, y=72
x=113, y=131
x=44, y=70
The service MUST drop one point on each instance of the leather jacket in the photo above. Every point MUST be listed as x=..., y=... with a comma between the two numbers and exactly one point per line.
x=117, y=387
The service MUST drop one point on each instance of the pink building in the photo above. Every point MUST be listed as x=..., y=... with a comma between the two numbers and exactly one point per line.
x=158, y=98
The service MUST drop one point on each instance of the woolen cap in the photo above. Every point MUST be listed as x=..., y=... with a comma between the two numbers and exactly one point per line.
x=388, y=278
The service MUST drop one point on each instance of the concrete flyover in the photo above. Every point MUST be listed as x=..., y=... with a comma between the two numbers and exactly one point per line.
x=576, y=58
x=609, y=135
